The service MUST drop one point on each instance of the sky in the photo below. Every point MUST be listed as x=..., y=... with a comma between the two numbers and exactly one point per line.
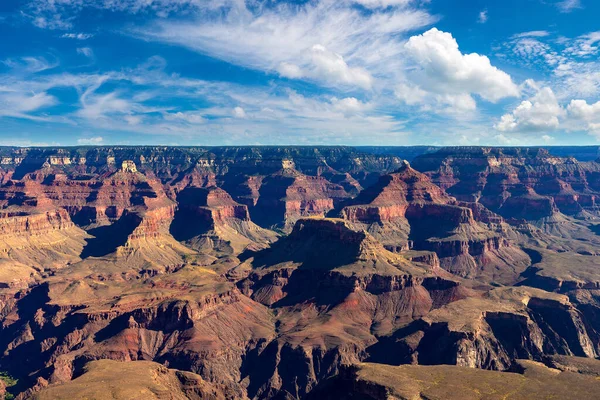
x=303, y=72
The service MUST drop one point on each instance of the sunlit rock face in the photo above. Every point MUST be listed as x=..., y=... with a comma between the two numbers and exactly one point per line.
x=296, y=272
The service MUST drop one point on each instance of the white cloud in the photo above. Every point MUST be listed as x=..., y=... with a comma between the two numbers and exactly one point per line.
x=97, y=106
x=444, y=75
x=86, y=51
x=30, y=64
x=410, y=95
x=566, y=6
x=482, y=17
x=332, y=43
x=62, y=14
x=547, y=138
x=291, y=71
x=78, y=36
x=585, y=45
x=327, y=67
x=22, y=105
x=572, y=64
x=239, y=112
x=580, y=109
x=349, y=106
x=91, y=141
x=585, y=116
x=133, y=119
x=331, y=67
x=190, y=117
x=108, y=102
x=383, y=3
x=537, y=34
x=540, y=113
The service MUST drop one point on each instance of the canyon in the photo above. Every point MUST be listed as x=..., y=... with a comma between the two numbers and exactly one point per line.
x=299, y=272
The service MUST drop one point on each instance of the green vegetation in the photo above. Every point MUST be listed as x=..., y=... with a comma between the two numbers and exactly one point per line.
x=9, y=381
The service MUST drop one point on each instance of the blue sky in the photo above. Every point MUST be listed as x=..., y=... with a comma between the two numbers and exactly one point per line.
x=357, y=72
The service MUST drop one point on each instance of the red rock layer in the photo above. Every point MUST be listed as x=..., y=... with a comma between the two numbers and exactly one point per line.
x=516, y=183
x=406, y=210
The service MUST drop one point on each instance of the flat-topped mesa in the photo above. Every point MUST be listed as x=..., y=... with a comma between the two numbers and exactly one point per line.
x=328, y=230
x=327, y=244
x=287, y=195
x=208, y=219
x=128, y=166
x=213, y=203
x=151, y=243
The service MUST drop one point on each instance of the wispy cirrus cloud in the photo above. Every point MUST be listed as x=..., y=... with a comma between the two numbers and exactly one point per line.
x=330, y=42
x=30, y=64
x=96, y=140
x=78, y=36
x=22, y=105
x=567, y=6
x=234, y=113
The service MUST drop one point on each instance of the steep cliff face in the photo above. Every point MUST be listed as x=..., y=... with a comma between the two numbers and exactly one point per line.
x=279, y=199
x=191, y=320
x=491, y=332
x=32, y=243
x=209, y=220
x=527, y=184
x=331, y=306
x=161, y=254
x=405, y=210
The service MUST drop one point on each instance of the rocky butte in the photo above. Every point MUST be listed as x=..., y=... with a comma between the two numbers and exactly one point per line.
x=299, y=272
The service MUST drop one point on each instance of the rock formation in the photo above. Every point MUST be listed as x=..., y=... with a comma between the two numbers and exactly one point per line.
x=298, y=272
x=405, y=210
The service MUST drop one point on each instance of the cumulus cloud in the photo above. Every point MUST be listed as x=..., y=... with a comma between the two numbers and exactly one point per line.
x=239, y=112
x=410, y=94
x=444, y=68
x=580, y=109
x=540, y=113
x=443, y=79
x=349, y=106
x=585, y=116
x=288, y=70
